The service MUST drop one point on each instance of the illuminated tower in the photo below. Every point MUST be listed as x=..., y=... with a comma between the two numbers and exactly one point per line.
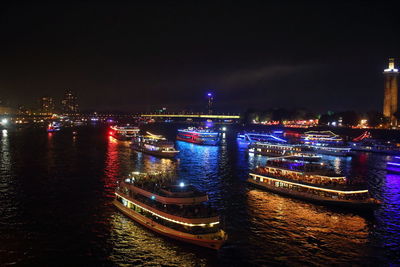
x=210, y=102
x=390, y=104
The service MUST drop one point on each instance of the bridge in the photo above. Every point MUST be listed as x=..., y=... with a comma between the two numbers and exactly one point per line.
x=201, y=116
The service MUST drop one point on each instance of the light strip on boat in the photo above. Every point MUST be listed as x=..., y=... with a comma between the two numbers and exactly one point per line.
x=319, y=175
x=312, y=187
x=165, y=218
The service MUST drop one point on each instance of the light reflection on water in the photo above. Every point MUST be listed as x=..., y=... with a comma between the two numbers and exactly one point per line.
x=60, y=190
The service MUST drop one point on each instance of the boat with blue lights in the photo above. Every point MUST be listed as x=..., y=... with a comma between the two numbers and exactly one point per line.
x=250, y=137
x=152, y=144
x=311, y=181
x=199, y=136
x=123, y=133
x=326, y=142
x=174, y=210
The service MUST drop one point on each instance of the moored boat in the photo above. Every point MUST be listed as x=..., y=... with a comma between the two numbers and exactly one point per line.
x=312, y=182
x=174, y=210
x=156, y=145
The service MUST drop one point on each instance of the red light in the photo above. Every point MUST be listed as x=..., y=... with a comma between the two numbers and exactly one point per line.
x=111, y=132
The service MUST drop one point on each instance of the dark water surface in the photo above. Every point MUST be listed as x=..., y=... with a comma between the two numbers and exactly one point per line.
x=56, y=192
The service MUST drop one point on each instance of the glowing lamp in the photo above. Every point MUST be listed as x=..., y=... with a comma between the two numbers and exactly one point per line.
x=4, y=121
x=209, y=94
x=181, y=184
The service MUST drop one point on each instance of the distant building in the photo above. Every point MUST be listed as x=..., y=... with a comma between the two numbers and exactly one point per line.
x=69, y=103
x=46, y=105
x=390, y=102
x=6, y=110
x=22, y=110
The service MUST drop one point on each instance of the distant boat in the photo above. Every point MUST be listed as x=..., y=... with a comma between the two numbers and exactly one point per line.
x=365, y=143
x=273, y=137
x=199, y=136
x=124, y=133
x=156, y=145
x=53, y=127
x=326, y=142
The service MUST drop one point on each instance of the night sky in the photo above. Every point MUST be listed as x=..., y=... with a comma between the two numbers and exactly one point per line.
x=132, y=57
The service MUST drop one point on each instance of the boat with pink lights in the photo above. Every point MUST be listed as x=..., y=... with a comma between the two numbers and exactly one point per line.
x=311, y=181
x=199, y=136
x=177, y=211
x=152, y=144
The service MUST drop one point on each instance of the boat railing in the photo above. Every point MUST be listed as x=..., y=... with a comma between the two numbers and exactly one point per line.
x=338, y=181
x=158, y=190
x=198, y=211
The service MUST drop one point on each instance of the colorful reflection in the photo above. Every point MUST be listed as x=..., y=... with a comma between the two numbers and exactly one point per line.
x=277, y=221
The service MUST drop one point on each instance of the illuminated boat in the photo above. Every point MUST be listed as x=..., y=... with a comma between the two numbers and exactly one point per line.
x=53, y=127
x=199, y=136
x=312, y=182
x=251, y=137
x=326, y=142
x=276, y=150
x=175, y=211
x=124, y=133
x=155, y=145
x=365, y=143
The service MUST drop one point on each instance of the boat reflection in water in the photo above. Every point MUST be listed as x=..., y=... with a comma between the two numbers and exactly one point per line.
x=134, y=245
x=286, y=224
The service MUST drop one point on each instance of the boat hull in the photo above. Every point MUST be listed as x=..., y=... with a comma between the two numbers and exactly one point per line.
x=155, y=153
x=168, y=232
x=359, y=205
x=332, y=153
x=199, y=142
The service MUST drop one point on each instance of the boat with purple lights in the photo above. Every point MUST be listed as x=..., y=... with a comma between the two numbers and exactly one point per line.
x=177, y=211
x=199, y=136
x=312, y=182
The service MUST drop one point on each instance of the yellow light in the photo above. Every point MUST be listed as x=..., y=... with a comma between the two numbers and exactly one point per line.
x=312, y=187
x=165, y=218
